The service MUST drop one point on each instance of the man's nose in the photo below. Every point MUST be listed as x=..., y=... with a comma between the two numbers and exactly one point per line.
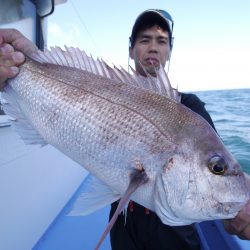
x=153, y=46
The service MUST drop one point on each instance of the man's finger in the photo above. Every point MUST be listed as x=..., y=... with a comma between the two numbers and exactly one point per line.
x=5, y=73
x=6, y=48
x=19, y=42
x=243, y=234
x=13, y=59
x=240, y=225
x=243, y=218
x=228, y=227
x=246, y=233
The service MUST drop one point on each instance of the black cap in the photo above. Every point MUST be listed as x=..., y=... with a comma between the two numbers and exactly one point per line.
x=151, y=16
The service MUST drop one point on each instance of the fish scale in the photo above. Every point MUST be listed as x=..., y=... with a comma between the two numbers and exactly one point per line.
x=145, y=103
x=98, y=106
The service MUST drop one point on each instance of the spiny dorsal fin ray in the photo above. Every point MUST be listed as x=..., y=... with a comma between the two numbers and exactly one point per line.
x=165, y=85
x=74, y=57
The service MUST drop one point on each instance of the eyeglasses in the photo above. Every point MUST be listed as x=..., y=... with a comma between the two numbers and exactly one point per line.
x=167, y=17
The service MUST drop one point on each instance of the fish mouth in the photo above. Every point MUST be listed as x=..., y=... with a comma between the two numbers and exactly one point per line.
x=229, y=208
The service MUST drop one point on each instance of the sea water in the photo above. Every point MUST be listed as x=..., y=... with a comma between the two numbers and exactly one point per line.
x=230, y=113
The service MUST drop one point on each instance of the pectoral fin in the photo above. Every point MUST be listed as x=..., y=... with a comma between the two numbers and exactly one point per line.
x=14, y=108
x=138, y=178
x=92, y=195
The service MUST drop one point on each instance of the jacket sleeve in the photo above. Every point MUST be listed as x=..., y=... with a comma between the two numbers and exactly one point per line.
x=195, y=104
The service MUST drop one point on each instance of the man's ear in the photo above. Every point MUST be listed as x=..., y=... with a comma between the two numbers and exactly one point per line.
x=131, y=53
x=169, y=55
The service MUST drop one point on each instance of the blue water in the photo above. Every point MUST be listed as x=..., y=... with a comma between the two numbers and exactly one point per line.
x=230, y=113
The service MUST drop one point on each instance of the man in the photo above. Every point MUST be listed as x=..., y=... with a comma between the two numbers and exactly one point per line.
x=151, y=45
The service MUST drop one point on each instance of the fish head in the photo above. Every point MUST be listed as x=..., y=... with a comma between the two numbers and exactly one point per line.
x=200, y=181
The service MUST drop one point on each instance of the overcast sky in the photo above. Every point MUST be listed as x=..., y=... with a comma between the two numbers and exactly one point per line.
x=212, y=38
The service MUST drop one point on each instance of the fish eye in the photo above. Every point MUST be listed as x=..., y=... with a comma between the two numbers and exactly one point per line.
x=217, y=165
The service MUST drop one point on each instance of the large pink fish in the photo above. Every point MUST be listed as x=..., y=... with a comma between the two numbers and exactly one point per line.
x=113, y=123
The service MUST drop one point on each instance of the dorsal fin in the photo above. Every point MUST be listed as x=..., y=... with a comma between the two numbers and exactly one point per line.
x=76, y=58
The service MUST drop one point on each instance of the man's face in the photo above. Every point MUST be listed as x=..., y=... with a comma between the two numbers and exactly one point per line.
x=151, y=49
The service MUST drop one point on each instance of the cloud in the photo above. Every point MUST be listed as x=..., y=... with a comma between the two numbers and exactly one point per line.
x=60, y=36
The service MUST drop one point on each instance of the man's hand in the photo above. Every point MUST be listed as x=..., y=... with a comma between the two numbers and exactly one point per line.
x=13, y=46
x=9, y=60
x=240, y=225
